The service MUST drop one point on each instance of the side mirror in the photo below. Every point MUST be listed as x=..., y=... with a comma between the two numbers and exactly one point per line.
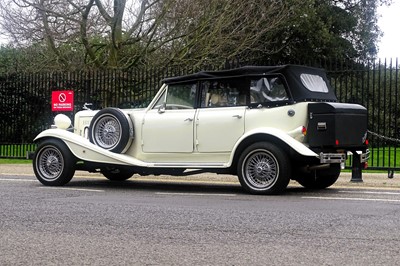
x=162, y=108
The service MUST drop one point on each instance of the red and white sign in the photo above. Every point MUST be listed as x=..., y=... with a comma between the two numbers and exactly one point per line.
x=62, y=101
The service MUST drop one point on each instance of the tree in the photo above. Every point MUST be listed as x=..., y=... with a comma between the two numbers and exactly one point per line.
x=88, y=28
x=217, y=30
x=334, y=29
x=122, y=34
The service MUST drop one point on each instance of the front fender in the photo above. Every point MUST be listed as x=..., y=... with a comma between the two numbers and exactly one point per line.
x=84, y=150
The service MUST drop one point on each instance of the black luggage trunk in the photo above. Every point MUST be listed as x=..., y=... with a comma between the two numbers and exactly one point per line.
x=337, y=125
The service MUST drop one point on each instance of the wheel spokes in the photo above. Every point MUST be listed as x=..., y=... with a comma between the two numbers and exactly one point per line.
x=107, y=132
x=50, y=163
x=262, y=169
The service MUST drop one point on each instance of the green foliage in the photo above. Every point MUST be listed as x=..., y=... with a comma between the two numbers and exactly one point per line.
x=23, y=105
x=321, y=29
x=12, y=60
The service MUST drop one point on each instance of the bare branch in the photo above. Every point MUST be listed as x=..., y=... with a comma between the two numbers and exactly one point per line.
x=103, y=11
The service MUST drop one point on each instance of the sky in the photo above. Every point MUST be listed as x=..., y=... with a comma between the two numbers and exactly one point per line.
x=389, y=46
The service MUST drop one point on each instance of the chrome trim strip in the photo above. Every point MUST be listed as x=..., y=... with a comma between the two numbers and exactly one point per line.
x=191, y=165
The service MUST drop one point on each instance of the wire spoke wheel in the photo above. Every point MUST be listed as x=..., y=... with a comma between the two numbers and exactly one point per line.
x=50, y=163
x=108, y=132
x=112, y=130
x=53, y=163
x=263, y=168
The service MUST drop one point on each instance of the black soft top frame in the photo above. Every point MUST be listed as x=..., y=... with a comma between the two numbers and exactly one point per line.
x=291, y=73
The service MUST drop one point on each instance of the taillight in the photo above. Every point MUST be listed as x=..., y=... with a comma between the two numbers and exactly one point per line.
x=304, y=130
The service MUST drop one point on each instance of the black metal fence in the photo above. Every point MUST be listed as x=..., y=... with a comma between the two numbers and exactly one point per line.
x=375, y=85
x=25, y=100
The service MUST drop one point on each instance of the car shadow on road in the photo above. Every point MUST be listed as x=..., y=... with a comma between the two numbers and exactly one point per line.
x=150, y=185
x=180, y=187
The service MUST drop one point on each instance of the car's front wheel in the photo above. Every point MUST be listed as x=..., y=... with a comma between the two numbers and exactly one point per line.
x=53, y=163
x=264, y=168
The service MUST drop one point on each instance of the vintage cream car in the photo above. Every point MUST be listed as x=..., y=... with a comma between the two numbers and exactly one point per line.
x=266, y=125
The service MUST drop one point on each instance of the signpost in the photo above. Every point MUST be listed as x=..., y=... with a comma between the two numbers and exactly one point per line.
x=62, y=101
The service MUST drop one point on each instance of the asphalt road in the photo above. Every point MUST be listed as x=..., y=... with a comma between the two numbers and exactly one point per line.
x=92, y=221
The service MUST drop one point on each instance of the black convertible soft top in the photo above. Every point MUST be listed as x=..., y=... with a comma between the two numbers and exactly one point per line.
x=294, y=75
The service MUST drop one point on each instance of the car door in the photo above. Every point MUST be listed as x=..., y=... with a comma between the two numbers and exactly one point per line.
x=220, y=120
x=168, y=126
x=218, y=129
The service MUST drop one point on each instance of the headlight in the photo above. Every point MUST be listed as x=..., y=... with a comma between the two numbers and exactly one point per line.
x=62, y=121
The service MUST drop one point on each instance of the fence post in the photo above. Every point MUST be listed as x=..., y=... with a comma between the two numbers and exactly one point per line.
x=356, y=170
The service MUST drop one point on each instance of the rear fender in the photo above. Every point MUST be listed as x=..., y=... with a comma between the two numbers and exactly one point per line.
x=283, y=136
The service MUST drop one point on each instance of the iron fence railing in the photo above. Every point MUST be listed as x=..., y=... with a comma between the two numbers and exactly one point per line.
x=376, y=86
x=18, y=150
x=25, y=99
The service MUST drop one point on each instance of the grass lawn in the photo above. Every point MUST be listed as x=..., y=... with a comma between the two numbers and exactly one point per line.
x=19, y=151
x=388, y=157
x=15, y=161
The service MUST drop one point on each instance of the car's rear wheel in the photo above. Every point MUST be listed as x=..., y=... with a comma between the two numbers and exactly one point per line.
x=53, y=163
x=117, y=174
x=111, y=129
x=264, y=168
x=320, y=179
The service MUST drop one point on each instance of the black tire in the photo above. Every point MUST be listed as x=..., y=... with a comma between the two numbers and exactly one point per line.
x=117, y=174
x=320, y=179
x=53, y=163
x=264, y=168
x=112, y=130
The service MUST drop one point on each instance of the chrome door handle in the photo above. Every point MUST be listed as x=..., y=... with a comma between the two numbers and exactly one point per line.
x=237, y=116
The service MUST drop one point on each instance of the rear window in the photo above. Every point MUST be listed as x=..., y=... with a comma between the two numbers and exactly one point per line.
x=267, y=89
x=314, y=83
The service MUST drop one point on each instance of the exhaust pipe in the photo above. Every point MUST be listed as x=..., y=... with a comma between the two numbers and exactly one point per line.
x=308, y=168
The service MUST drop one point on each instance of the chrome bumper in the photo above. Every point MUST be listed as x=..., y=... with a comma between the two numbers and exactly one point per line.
x=364, y=157
x=332, y=157
x=341, y=157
